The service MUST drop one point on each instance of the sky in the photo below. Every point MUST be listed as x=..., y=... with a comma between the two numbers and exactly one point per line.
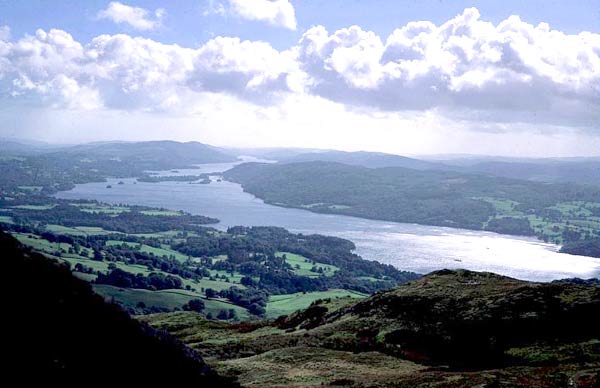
x=514, y=78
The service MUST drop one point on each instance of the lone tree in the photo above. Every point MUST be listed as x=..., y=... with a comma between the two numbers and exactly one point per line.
x=210, y=293
x=196, y=305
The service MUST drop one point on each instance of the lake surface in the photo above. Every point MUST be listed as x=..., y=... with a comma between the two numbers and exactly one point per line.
x=408, y=247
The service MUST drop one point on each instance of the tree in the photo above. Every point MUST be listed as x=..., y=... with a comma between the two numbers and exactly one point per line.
x=196, y=305
x=210, y=293
x=256, y=309
x=223, y=314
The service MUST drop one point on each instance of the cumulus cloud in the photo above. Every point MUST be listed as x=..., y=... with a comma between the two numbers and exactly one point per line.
x=278, y=13
x=466, y=66
x=136, y=17
x=466, y=70
x=124, y=72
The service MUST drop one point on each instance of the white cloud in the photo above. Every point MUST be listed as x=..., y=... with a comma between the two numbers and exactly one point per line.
x=464, y=75
x=136, y=17
x=214, y=7
x=465, y=66
x=278, y=13
x=129, y=73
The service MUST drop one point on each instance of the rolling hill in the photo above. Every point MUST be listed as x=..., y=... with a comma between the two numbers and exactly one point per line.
x=444, y=198
x=447, y=329
x=366, y=159
x=162, y=152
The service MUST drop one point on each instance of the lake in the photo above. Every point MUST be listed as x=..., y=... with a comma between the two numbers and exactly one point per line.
x=408, y=247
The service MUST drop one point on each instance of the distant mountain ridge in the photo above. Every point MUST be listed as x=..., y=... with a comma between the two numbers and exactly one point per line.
x=581, y=170
x=585, y=170
x=366, y=159
x=169, y=151
x=166, y=151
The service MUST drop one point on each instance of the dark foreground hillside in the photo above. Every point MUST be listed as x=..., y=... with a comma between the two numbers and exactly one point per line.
x=447, y=329
x=56, y=330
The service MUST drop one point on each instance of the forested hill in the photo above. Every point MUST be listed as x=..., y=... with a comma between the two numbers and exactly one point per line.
x=585, y=170
x=367, y=159
x=165, y=152
x=52, y=169
x=57, y=331
x=443, y=198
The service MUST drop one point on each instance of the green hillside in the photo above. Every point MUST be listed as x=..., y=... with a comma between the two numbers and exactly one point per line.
x=447, y=329
x=554, y=212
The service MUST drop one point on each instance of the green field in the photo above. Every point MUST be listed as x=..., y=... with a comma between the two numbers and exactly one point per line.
x=369, y=278
x=59, y=229
x=288, y=303
x=40, y=244
x=94, y=230
x=503, y=207
x=45, y=246
x=217, y=285
x=92, y=207
x=77, y=230
x=33, y=207
x=234, y=277
x=98, y=208
x=102, y=266
x=30, y=188
x=574, y=208
x=218, y=258
x=6, y=220
x=160, y=252
x=169, y=299
x=576, y=215
x=302, y=266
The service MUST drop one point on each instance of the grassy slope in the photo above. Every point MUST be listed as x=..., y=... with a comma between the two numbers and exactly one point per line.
x=504, y=331
x=77, y=230
x=168, y=299
x=302, y=266
x=288, y=303
x=160, y=252
x=42, y=245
